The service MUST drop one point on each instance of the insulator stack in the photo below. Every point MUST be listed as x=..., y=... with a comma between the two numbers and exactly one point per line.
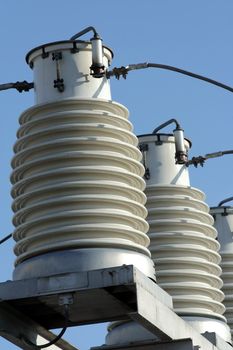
x=183, y=240
x=223, y=222
x=77, y=177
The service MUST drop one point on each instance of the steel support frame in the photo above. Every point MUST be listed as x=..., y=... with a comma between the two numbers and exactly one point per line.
x=32, y=306
x=181, y=344
x=15, y=327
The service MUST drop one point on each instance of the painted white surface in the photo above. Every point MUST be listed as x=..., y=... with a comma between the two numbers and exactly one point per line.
x=74, y=69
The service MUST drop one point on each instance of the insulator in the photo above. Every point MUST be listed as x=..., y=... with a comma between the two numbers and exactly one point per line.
x=183, y=239
x=223, y=222
x=182, y=243
x=77, y=176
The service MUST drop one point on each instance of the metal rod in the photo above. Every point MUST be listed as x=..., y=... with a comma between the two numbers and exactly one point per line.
x=84, y=31
x=224, y=201
x=170, y=121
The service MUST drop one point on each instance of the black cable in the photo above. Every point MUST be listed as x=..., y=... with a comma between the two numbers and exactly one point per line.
x=193, y=75
x=170, y=121
x=84, y=31
x=55, y=340
x=5, y=238
x=224, y=201
x=228, y=152
x=201, y=159
x=122, y=71
x=19, y=86
x=218, y=154
x=6, y=86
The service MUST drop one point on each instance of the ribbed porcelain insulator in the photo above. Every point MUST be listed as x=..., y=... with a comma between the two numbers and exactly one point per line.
x=77, y=185
x=185, y=250
x=183, y=244
x=183, y=240
x=223, y=222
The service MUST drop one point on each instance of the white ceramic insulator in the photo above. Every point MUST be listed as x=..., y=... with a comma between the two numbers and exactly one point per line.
x=77, y=182
x=184, y=249
x=183, y=244
x=223, y=222
x=73, y=67
x=183, y=239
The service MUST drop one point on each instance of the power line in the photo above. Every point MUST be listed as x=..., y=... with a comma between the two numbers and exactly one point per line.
x=123, y=71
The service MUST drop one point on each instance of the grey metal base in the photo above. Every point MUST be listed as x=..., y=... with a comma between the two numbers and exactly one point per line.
x=182, y=344
x=128, y=331
x=80, y=260
x=208, y=324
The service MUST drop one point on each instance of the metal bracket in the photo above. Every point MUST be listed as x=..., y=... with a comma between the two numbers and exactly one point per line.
x=44, y=54
x=225, y=213
x=74, y=48
x=158, y=142
x=144, y=148
x=118, y=72
x=59, y=82
x=66, y=299
x=57, y=55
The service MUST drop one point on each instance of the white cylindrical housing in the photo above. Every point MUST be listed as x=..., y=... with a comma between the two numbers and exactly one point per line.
x=78, y=190
x=159, y=159
x=223, y=222
x=62, y=71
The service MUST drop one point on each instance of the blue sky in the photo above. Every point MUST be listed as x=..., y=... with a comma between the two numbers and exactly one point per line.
x=194, y=35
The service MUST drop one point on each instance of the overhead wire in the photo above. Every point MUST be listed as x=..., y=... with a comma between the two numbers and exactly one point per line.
x=225, y=201
x=5, y=238
x=56, y=339
x=122, y=71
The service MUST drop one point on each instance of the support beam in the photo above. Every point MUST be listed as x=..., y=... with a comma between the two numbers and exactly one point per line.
x=110, y=294
x=164, y=322
x=15, y=327
x=217, y=341
x=98, y=296
x=182, y=344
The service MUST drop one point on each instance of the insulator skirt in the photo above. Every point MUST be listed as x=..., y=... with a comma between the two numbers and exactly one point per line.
x=184, y=249
x=224, y=224
x=77, y=184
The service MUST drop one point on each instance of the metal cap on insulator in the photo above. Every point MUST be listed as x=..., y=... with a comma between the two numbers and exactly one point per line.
x=181, y=154
x=97, y=67
x=158, y=158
